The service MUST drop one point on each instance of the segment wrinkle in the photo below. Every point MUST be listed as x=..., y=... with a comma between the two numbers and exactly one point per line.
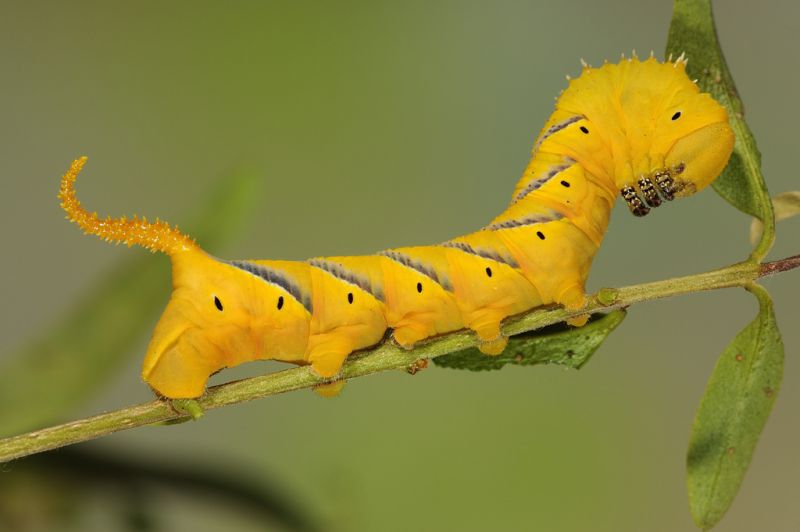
x=527, y=220
x=276, y=278
x=537, y=183
x=481, y=252
x=424, y=269
x=555, y=128
x=348, y=276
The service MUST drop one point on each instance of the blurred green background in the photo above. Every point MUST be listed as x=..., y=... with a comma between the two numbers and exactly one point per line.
x=377, y=124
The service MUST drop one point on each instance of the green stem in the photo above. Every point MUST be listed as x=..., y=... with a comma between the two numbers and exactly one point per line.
x=384, y=357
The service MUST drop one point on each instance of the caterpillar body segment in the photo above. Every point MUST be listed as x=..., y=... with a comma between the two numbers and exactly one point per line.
x=640, y=130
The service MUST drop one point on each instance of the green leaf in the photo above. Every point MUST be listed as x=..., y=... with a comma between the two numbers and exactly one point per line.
x=786, y=205
x=61, y=368
x=692, y=31
x=736, y=404
x=571, y=347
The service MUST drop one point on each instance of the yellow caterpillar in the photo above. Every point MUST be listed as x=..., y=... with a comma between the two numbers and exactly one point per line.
x=639, y=129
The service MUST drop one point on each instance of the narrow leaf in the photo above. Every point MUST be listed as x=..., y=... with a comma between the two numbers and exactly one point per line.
x=736, y=404
x=65, y=365
x=786, y=205
x=692, y=31
x=571, y=347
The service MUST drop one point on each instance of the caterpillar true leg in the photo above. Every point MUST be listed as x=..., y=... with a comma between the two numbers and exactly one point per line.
x=639, y=129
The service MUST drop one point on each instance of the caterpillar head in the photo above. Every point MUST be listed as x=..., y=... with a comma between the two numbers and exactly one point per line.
x=218, y=316
x=645, y=127
x=691, y=142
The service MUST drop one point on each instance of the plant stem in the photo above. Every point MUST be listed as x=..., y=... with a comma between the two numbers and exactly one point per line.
x=381, y=358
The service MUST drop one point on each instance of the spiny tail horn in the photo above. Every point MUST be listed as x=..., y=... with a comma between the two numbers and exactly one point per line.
x=158, y=236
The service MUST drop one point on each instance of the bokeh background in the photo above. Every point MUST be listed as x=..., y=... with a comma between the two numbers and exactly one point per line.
x=377, y=124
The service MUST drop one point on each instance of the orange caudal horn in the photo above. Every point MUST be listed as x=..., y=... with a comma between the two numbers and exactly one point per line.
x=155, y=236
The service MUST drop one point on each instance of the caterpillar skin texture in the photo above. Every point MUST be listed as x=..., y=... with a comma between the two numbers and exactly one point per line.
x=637, y=129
